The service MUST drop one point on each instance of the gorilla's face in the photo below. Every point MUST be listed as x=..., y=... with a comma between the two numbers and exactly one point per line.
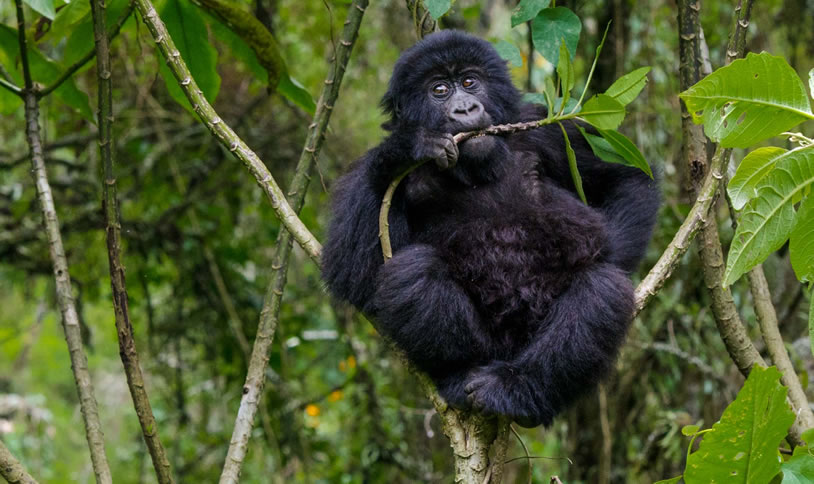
x=450, y=82
x=461, y=98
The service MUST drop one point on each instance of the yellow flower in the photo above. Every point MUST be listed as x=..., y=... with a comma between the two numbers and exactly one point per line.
x=335, y=395
x=351, y=362
x=312, y=410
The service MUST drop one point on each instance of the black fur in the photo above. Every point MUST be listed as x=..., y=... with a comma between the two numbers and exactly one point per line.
x=506, y=289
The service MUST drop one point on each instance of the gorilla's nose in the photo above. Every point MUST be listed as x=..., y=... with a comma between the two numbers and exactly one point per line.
x=464, y=110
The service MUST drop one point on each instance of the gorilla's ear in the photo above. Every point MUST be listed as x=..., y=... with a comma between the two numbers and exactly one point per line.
x=390, y=107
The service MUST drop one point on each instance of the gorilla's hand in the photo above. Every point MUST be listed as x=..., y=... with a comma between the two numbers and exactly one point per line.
x=438, y=147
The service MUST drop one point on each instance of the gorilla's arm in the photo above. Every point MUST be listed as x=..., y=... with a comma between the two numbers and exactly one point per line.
x=352, y=253
x=627, y=197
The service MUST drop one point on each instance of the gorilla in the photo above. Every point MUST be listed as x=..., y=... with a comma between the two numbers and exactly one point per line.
x=504, y=287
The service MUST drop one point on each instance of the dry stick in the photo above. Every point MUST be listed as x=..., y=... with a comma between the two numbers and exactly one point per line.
x=62, y=279
x=224, y=134
x=110, y=207
x=11, y=470
x=255, y=376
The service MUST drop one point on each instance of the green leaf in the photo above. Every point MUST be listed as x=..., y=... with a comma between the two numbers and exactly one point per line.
x=80, y=39
x=603, y=111
x=509, y=52
x=572, y=165
x=551, y=26
x=811, y=82
x=527, y=10
x=673, y=480
x=68, y=17
x=751, y=170
x=240, y=49
x=768, y=219
x=602, y=148
x=188, y=30
x=565, y=71
x=801, y=242
x=798, y=470
x=45, y=71
x=626, y=88
x=437, y=8
x=292, y=90
x=43, y=7
x=627, y=150
x=742, y=446
x=748, y=101
x=690, y=430
x=810, y=440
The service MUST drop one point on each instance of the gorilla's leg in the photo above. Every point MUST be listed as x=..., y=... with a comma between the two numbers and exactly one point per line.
x=426, y=313
x=574, y=347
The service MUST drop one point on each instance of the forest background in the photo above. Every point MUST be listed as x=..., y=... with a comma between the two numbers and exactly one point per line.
x=200, y=244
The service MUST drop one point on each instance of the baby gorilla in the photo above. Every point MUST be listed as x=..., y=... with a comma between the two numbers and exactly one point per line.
x=504, y=287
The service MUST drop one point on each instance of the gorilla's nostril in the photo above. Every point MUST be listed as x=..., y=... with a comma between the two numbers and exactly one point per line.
x=474, y=108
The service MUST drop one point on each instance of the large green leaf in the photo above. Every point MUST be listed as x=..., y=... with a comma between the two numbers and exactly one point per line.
x=626, y=88
x=572, y=165
x=188, y=30
x=437, y=8
x=80, y=39
x=68, y=17
x=603, y=111
x=527, y=10
x=742, y=446
x=798, y=470
x=552, y=25
x=601, y=148
x=801, y=241
x=8, y=54
x=811, y=333
x=754, y=166
x=748, y=101
x=509, y=52
x=768, y=219
x=43, y=7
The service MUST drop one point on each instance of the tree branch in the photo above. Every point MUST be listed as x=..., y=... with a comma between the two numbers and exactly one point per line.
x=62, y=278
x=269, y=315
x=11, y=470
x=110, y=207
x=224, y=134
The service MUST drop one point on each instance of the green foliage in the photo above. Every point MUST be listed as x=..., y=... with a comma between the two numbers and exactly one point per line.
x=80, y=31
x=438, y=8
x=43, y=7
x=603, y=111
x=672, y=480
x=188, y=30
x=565, y=71
x=46, y=71
x=742, y=446
x=627, y=88
x=527, y=10
x=690, y=430
x=751, y=170
x=550, y=27
x=801, y=242
x=295, y=92
x=811, y=82
x=798, y=470
x=811, y=329
x=768, y=219
x=509, y=52
x=623, y=148
x=68, y=17
x=736, y=102
x=572, y=165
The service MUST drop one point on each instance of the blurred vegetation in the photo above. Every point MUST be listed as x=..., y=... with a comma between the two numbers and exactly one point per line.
x=341, y=408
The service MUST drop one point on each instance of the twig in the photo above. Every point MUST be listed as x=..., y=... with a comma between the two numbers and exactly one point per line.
x=224, y=134
x=110, y=207
x=70, y=71
x=526, y=450
x=255, y=376
x=62, y=278
x=11, y=470
x=11, y=87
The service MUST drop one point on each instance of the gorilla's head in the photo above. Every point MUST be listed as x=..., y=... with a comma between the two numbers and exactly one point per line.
x=450, y=82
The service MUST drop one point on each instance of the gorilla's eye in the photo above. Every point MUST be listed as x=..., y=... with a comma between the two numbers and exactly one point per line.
x=440, y=89
x=469, y=82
